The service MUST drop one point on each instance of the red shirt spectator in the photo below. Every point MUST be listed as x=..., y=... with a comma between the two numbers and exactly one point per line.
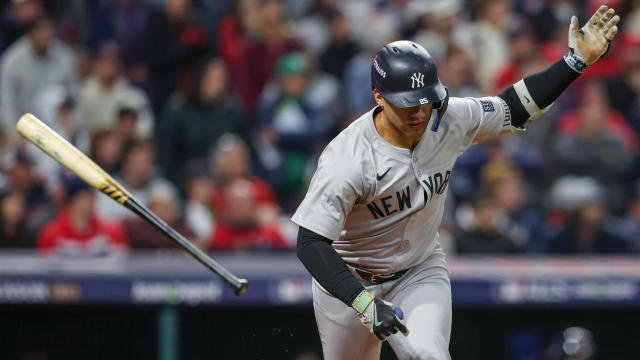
x=251, y=41
x=240, y=228
x=594, y=97
x=61, y=236
x=229, y=162
x=262, y=192
x=78, y=231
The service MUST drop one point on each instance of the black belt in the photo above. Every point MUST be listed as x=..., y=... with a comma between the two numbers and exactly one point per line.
x=376, y=278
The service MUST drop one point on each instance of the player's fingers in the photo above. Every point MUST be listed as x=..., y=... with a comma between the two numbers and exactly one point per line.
x=597, y=15
x=573, y=27
x=605, y=18
x=611, y=33
x=611, y=23
x=402, y=328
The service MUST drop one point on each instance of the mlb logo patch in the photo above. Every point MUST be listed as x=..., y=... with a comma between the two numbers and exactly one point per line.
x=487, y=106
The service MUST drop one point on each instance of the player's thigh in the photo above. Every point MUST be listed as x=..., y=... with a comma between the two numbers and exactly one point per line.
x=427, y=313
x=342, y=334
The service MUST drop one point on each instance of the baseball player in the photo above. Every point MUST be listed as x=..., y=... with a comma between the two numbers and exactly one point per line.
x=369, y=222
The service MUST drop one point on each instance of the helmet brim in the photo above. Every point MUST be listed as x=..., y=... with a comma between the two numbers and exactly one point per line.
x=427, y=95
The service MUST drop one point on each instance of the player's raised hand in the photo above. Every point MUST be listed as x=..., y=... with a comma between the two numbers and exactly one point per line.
x=379, y=316
x=592, y=41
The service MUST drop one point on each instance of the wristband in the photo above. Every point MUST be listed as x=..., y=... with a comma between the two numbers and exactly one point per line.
x=362, y=301
x=575, y=62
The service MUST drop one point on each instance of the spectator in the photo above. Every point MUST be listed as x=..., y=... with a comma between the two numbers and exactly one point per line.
x=437, y=23
x=12, y=221
x=524, y=58
x=591, y=137
x=229, y=162
x=515, y=215
x=126, y=125
x=341, y=48
x=629, y=226
x=137, y=176
x=33, y=63
x=190, y=125
x=484, y=237
x=456, y=71
x=487, y=37
x=380, y=29
x=56, y=107
x=584, y=230
x=23, y=180
x=264, y=37
x=125, y=22
x=199, y=189
x=106, y=91
x=298, y=113
x=623, y=90
x=173, y=43
x=15, y=20
x=107, y=150
x=239, y=228
x=163, y=201
x=78, y=231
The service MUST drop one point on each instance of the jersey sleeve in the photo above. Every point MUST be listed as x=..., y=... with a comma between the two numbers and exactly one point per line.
x=484, y=118
x=333, y=191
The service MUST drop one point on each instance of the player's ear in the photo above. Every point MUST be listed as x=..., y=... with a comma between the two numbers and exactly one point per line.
x=378, y=97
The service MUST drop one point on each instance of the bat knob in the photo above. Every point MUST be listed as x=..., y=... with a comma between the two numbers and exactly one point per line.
x=241, y=287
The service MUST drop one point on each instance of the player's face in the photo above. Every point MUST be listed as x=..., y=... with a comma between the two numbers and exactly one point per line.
x=406, y=124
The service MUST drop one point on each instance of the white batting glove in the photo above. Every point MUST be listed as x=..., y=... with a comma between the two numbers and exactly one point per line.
x=379, y=316
x=592, y=41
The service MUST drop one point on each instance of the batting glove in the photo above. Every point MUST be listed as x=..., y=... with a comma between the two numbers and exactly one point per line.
x=379, y=316
x=592, y=41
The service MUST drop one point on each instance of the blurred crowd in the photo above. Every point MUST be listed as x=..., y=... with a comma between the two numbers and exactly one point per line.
x=213, y=113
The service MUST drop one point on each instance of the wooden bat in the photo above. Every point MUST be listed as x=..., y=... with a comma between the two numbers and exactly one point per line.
x=73, y=159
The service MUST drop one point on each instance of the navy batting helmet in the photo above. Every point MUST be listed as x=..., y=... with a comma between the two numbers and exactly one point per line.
x=406, y=75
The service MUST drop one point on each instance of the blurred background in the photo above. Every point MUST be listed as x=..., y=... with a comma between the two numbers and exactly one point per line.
x=213, y=114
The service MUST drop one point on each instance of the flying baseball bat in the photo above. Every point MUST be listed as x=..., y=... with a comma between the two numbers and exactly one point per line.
x=73, y=159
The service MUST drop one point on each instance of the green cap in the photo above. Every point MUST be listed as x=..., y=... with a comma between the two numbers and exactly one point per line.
x=292, y=64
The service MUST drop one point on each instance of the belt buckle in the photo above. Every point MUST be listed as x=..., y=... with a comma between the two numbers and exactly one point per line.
x=375, y=276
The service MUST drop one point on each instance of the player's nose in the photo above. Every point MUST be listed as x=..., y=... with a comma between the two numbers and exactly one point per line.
x=422, y=110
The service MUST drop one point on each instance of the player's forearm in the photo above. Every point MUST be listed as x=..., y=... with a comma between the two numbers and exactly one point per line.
x=530, y=97
x=543, y=87
x=326, y=266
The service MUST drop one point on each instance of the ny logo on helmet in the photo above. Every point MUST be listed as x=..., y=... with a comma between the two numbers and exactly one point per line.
x=417, y=80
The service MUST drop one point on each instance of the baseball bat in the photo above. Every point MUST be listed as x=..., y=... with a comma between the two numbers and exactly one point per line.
x=73, y=159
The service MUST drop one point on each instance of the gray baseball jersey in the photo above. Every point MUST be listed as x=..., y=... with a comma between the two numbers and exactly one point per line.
x=382, y=205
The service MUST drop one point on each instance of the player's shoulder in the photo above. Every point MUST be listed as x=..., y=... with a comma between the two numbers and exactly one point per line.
x=348, y=151
x=354, y=139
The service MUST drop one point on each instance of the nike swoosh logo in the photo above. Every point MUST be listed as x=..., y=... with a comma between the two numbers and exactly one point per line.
x=375, y=315
x=526, y=98
x=380, y=177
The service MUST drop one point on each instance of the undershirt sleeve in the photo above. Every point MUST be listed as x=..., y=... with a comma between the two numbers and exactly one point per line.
x=544, y=86
x=326, y=266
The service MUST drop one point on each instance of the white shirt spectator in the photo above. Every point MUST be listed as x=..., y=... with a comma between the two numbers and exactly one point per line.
x=24, y=73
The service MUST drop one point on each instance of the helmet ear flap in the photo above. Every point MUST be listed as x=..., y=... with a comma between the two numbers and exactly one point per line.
x=441, y=108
